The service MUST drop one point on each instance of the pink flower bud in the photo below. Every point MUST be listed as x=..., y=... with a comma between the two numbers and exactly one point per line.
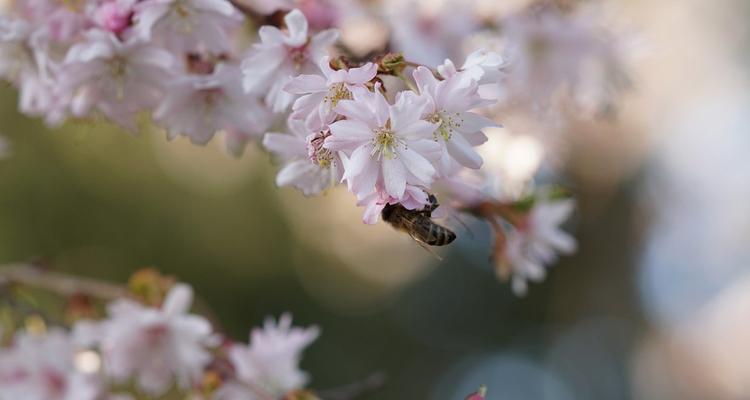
x=114, y=16
x=479, y=394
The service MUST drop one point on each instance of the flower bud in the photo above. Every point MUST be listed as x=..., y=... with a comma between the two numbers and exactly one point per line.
x=392, y=64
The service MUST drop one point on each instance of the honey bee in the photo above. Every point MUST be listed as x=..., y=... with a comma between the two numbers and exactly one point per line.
x=418, y=223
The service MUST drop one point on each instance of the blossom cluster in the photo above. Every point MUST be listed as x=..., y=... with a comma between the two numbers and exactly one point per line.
x=148, y=343
x=159, y=348
x=392, y=130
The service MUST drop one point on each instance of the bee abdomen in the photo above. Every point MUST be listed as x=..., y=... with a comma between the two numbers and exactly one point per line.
x=440, y=236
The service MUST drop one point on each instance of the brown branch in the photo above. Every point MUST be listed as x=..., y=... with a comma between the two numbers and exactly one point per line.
x=62, y=284
x=68, y=285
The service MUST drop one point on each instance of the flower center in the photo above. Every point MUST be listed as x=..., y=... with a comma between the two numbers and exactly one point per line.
x=318, y=154
x=448, y=123
x=183, y=13
x=298, y=55
x=74, y=5
x=336, y=93
x=385, y=142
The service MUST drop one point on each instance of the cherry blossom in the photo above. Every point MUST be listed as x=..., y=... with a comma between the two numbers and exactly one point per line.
x=279, y=56
x=116, y=78
x=387, y=146
x=152, y=345
x=114, y=15
x=533, y=245
x=448, y=105
x=187, y=25
x=198, y=106
x=308, y=166
x=270, y=363
x=41, y=367
x=321, y=94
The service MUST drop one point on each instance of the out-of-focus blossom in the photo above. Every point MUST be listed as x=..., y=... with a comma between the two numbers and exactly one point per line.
x=534, y=243
x=388, y=146
x=280, y=56
x=430, y=31
x=479, y=394
x=116, y=78
x=114, y=15
x=41, y=367
x=308, y=166
x=63, y=22
x=25, y=63
x=459, y=130
x=267, y=7
x=198, y=106
x=270, y=364
x=321, y=94
x=486, y=68
x=550, y=52
x=154, y=346
x=187, y=25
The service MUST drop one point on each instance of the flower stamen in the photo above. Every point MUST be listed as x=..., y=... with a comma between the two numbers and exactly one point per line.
x=448, y=123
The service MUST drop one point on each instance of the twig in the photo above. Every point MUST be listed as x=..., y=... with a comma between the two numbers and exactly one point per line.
x=355, y=390
x=61, y=284
x=68, y=285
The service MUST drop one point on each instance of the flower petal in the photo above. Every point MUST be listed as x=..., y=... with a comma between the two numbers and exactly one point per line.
x=304, y=84
x=178, y=300
x=417, y=165
x=284, y=144
x=296, y=24
x=347, y=134
x=460, y=149
x=394, y=177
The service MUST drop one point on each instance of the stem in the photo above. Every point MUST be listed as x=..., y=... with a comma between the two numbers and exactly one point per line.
x=68, y=285
x=61, y=284
x=407, y=82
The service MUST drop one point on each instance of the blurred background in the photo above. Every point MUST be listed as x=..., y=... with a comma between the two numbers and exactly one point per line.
x=655, y=305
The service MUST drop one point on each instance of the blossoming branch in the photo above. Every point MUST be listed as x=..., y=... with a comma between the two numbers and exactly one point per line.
x=148, y=341
x=403, y=135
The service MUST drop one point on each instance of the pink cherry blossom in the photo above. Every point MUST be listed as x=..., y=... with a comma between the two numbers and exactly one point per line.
x=41, y=367
x=479, y=394
x=270, y=363
x=387, y=146
x=459, y=131
x=187, y=25
x=280, y=56
x=198, y=106
x=536, y=243
x=116, y=78
x=154, y=346
x=487, y=68
x=549, y=51
x=321, y=94
x=308, y=166
x=114, y=15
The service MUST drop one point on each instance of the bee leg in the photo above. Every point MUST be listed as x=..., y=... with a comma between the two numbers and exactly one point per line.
x=427, y=248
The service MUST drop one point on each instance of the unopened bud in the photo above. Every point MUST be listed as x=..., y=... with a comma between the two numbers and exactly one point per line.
x=479, y=394
x=339, y=63
x=392, y=64
x=150, y=286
